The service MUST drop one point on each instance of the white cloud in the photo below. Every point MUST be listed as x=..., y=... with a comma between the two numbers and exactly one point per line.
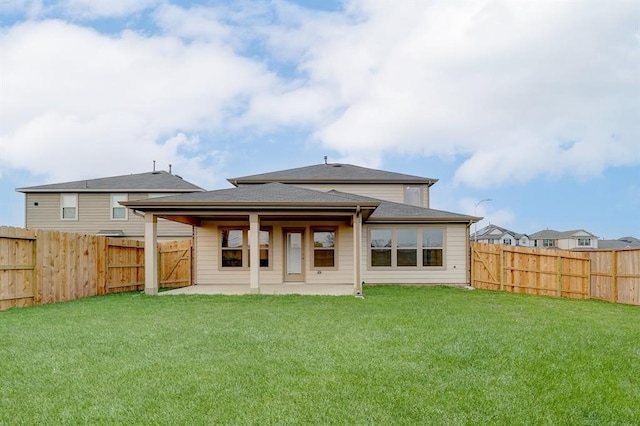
x=514, y=89
x=78, y=103
x=520, y=88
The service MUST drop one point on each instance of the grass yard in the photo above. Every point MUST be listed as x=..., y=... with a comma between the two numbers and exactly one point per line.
x=400, y=356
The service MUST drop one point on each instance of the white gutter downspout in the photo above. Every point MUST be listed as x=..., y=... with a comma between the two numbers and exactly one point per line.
x=470, y=254
x=357, y=252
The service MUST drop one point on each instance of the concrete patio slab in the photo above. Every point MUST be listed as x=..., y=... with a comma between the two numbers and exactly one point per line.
x=278, y=289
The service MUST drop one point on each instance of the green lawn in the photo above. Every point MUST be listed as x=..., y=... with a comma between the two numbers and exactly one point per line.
x=399, y=356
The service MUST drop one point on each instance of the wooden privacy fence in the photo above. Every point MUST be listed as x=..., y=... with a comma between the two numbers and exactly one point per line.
x=534, y=271
x=38, y=266
x=612, y=275
x=615, y=275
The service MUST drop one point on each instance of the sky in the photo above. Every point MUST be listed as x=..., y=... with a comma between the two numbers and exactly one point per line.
x=534, y=105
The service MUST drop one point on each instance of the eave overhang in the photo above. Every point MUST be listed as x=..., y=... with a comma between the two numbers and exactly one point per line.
x=425, y=219
x=294, y=181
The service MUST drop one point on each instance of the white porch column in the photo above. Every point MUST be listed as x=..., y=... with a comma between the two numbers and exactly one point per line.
x=357, y=253
x=150, y=254
x=254, y=250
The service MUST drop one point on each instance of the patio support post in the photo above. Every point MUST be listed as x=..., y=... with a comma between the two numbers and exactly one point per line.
x=150, y=254
x=254, y=253
x=357, y=252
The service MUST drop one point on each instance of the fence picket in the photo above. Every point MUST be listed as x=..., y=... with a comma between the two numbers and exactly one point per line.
x=40, y=266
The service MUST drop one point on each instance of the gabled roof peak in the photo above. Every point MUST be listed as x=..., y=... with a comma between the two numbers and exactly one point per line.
x=155, y=181
x=332, y=173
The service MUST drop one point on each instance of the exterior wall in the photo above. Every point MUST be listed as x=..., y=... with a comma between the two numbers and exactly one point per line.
x=94, y=215
x=388, y=192
x=455, y=267
x=207, y=255
x=572, y=243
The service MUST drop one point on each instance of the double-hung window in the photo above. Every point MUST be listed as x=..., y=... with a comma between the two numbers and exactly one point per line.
x=584, y=242
x=407, y=247
x=324, y=247
x=69, y=206
x=233, y=248
x=118, y=212
x=432, y=247
x=381, y=247
x=235, y=251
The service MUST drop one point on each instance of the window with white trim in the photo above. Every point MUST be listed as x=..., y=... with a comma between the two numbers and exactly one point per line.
x=413, y=195
x=584, y=242
x=506, y=241
x=398, y=247
x=118, y=212
x=324, y=247
x=548, y=243
x=69, y=206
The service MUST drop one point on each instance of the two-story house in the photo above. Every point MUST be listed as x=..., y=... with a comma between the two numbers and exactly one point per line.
x=93, y=206
x=321, y=224
x=493, y=234
x=565, y=240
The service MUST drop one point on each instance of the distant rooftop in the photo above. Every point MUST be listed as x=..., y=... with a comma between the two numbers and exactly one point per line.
x=332, y=172
x=158, y=181
x=551, y=234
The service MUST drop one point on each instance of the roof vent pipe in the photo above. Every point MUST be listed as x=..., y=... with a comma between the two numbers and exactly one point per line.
x=154, y=165
x=169, y=168
x=325, y=159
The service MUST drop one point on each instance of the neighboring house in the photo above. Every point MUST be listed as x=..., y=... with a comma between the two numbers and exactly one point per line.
x=493, y=234
x=93, y=206
x=624, y=242
x=321, y=224
x=565, y=240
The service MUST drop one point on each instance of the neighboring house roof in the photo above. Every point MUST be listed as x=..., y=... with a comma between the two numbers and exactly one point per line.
x=550, y=234
x=159, y=181
x=624, y=242
x=330, y=173
x=489, y=231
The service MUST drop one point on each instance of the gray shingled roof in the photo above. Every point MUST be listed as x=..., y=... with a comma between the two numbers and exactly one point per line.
x=270, y=193
x=390, y=211
x=624, y=242
x=332, y=173
x=277, y=194
x=550, y=234
x=160, y=181
x=485, y=232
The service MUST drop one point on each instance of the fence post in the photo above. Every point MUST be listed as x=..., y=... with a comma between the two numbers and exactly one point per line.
x=472, y=271
x=614, y=276
x=559, y=275
x=502, y=269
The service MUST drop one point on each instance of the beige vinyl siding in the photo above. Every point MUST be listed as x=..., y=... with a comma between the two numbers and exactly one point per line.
x=455, y=261
x=393, y=192
x=94, y=215
x=208, y=270
x=388, y=192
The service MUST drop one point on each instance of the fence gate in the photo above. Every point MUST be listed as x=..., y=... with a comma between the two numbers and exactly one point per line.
x=17, y=268
x=528, y=270
x=174, y=263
